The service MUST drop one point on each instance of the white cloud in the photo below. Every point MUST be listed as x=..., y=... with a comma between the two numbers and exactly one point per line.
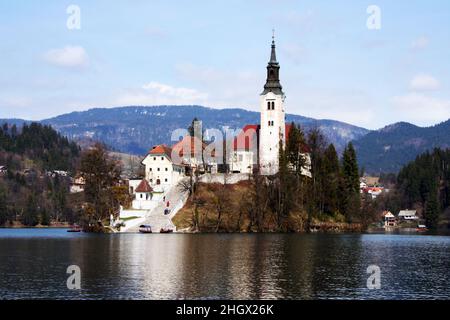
x=156, y=93
x=421, y=109
x=236, y=88
x=424, y=82
x=15, y=102
x=182, y=93
x=67, y=57
x=420, y=43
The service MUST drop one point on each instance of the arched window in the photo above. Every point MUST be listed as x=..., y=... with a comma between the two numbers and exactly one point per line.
x=268, y=105
x=273, y=105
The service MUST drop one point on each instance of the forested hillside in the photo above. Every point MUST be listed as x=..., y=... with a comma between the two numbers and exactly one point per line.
x=425, y=183
x=136, y=129
x=389, y=149
x=30, y=192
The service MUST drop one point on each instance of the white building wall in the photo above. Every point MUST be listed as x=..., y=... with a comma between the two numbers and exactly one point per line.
x=271, y=133
x=242, y=161
x=161, y=173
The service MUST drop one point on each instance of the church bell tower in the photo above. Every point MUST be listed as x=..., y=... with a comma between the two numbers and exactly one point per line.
x=273, y=126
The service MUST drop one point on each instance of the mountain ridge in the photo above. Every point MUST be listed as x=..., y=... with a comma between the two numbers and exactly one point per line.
x=135, y=129
x=390, y=148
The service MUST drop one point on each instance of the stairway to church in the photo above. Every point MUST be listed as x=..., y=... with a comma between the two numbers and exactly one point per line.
x=156, y=218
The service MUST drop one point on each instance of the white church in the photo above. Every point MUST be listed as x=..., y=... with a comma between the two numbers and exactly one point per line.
x=254, y=149
x=257, y=147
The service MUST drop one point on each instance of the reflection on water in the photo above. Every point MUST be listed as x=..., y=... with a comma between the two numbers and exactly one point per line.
x=33, y=264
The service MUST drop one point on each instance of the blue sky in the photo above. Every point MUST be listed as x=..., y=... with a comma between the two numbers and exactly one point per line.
x=214, y=53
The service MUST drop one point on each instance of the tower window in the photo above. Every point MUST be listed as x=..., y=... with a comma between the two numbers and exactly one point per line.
x=273, y=105
x=268, y=105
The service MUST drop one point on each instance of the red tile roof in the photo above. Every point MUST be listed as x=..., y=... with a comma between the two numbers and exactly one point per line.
x=161, y=149
x=247, y=139
x=144, y=187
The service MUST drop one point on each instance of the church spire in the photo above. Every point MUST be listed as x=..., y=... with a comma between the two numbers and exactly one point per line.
x=273, y=55
x=273, y=72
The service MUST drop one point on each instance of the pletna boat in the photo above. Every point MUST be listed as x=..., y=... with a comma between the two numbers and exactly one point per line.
x=145, y=228
x=421, y=228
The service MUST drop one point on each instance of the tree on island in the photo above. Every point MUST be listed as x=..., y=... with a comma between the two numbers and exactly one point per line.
x=101, y=174
x=350, y=200
x=331, y=180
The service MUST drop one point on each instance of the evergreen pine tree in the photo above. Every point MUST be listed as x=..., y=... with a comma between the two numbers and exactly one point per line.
x=432, y=210
x=331, y=180
x=30, y=215
x=349, y=185
x=45, y=217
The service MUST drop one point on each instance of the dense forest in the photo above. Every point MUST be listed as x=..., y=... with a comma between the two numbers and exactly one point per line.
x=424, y=184
x=30, y=191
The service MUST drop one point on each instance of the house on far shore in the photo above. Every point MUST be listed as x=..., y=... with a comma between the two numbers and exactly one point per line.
x=389, y=219
x=3, y=169
x=374, y=192
x=408, y=215
x=77, y=184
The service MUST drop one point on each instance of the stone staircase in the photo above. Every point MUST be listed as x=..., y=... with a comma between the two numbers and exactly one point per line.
x=156, y=218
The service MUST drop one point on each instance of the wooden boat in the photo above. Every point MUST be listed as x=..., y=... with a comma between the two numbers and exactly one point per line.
x=145, y=228
x=166, y=230
x=421, y=228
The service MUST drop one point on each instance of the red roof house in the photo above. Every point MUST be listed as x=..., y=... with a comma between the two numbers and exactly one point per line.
x=144, y=187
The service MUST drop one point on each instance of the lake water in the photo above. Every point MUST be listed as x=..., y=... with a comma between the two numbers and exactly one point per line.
x=33, y=264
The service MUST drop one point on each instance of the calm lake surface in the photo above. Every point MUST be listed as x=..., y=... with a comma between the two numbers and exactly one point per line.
x=33, y=264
